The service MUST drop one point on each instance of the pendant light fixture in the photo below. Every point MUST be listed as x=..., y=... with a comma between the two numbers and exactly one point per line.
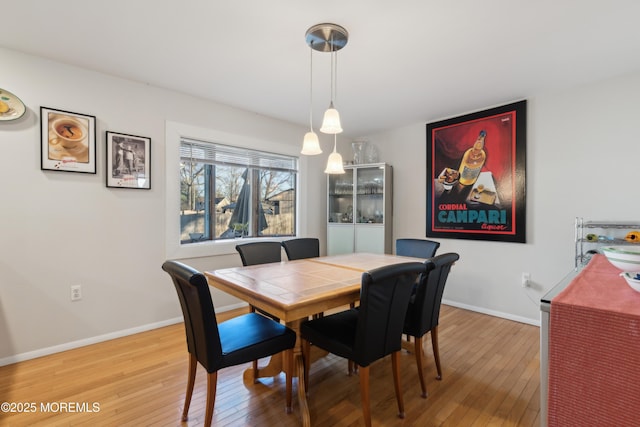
x=311, y=144
x=334, y=162
x=331, y=121
x=329, y=38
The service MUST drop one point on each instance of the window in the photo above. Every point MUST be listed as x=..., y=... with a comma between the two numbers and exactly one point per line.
x=228, y=192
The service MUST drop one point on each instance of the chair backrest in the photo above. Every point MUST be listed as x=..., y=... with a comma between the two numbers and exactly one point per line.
x=304, y=247
x=416, y=248
x=260, y=252
x=200, y=324
x=384, y=298
x=424, y=313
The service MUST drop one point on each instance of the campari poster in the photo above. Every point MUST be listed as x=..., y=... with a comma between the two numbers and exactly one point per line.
x=476, y=184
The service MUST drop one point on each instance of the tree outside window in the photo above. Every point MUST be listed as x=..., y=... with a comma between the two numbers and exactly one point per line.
x=255, y=197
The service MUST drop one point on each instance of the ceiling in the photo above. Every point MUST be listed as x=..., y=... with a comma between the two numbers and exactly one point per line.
x=405, y=62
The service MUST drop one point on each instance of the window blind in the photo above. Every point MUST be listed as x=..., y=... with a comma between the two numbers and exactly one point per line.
x=219, y=154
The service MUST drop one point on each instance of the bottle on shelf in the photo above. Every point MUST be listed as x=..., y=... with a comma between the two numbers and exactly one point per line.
x=472, y=161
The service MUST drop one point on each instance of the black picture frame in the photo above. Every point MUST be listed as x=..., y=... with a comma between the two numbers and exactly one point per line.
x=128, y=161
x=486, y=203
x=67, y=141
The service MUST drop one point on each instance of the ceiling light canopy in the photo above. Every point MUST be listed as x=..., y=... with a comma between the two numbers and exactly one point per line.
x=327, y=37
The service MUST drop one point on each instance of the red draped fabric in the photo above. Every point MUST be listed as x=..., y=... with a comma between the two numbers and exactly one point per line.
x=594, y=350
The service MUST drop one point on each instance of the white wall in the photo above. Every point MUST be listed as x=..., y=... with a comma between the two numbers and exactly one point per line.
x=61, y=229
x=583, y=149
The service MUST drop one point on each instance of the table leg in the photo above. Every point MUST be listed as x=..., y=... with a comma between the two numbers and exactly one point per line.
x=302, y=396
x=298, y=368
x=273, y=368
x=276, y=366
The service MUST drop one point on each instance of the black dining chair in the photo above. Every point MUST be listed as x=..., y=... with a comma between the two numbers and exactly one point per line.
x=424, y=310
x=256, y=253
x=259, y=253
x=219, y=345
x=371, y=331
x=416, y=248
x=301, y=248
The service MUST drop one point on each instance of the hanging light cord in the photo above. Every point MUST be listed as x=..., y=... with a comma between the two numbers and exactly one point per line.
x=334, y=70
x=333, y=52
x=311, y=87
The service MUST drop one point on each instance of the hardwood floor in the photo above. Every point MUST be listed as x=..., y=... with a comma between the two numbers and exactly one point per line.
x=490, y=377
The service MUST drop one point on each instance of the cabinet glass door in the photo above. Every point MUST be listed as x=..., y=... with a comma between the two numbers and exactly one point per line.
x=340, y=204
x=370, y=195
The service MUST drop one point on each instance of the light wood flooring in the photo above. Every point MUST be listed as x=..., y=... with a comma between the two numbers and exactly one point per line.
x=490, y=378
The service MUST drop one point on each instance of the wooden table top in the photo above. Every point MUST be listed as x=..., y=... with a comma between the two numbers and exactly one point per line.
x=296, y=289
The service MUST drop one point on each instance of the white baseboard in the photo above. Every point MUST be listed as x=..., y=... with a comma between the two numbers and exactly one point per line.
x=100, y=338
x=123, y=333
x=494, y=313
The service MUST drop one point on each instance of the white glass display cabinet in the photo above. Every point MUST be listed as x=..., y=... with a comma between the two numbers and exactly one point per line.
x=359, y=210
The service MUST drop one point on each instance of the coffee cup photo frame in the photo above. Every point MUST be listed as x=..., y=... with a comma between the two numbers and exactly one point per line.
x=68, y=141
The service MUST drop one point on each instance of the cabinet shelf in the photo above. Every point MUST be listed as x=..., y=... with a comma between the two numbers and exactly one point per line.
x=615, y=236
x=608, y=224
x=613, y=240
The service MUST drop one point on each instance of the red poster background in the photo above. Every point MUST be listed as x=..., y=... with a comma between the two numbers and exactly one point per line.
x=449, y=213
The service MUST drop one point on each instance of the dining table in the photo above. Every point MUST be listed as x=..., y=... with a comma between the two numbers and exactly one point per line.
x=294, y=290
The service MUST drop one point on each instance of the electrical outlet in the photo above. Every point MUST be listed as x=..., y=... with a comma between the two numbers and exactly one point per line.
x=526, y=279
x=76, y=293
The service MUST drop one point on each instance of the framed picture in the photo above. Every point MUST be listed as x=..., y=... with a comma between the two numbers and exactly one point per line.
x=476, y=175
x=128, y=161
x=68, y=141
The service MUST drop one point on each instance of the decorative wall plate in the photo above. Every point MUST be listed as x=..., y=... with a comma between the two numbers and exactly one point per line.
x=11, y=108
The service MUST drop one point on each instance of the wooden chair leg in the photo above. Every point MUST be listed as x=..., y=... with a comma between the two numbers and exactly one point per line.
x=436, y=351
x=212, y=380
x=418, y=351
x=254, y=368
x=193, y=364
x=254, y=364
x=306, y=357
x=288, y=373
x=364, y=395
x=395, y=363
x=352, y=368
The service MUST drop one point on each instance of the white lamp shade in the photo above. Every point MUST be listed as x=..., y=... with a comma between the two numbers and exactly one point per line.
x=331, y=121
x=311, y=145
x=334, y=164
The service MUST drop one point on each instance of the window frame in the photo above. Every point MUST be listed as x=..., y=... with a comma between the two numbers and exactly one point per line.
x=174, y=132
